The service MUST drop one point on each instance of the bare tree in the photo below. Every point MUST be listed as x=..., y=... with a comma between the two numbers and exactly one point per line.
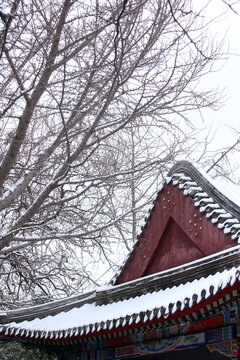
x=84, y=85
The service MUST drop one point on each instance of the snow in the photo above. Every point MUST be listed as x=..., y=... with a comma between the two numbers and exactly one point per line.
x=55, y=303
x=192, y=190
x=6, y=11
x=227, y=223
x=104, y=287
x=168, y=179
x=184, y=184
x=161, y=186
x=229, y=190
x=91, y=313
x=201, y=194
x=13, y=188
x=204, y=201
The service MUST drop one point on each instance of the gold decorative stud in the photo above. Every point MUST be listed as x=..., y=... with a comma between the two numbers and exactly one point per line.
x=228, y=297
x=235, y=293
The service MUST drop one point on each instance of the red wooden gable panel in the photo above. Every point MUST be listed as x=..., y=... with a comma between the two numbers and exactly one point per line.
x=176, y=233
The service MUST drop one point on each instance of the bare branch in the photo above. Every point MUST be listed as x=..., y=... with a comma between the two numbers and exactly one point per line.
x=223, y=154
x=186, y=32
x=96, y=102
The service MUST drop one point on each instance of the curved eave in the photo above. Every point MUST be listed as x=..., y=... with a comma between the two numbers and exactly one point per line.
x=176, y=303
x=194, y=270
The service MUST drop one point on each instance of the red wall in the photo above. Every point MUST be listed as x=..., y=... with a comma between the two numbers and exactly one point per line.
x=175, y=234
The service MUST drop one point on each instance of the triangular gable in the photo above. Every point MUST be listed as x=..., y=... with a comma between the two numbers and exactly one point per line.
x=174, y=248
x=190, y=219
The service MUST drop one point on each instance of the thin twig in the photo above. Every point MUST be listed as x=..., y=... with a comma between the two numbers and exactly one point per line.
x=185, y=32
x=223, y=155
x=230, y=7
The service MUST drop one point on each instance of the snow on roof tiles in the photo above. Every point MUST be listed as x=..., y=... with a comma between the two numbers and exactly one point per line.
x=91, y=317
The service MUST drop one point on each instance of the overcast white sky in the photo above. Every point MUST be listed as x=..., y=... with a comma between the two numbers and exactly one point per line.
x=228, y=77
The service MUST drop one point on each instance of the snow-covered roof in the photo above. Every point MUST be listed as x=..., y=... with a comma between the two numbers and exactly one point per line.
x=154, y=298
x=135, y=303
x=218, y=201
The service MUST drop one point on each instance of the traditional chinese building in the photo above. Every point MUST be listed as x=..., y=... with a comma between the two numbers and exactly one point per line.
x=177, y=295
